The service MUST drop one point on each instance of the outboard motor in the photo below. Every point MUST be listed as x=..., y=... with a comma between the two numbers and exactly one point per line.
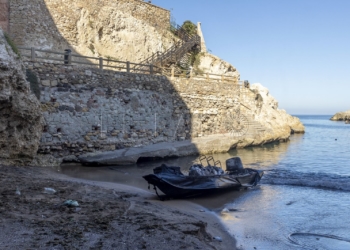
x=234, y=164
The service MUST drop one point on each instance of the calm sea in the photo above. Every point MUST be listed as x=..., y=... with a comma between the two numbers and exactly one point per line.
x=302, y=202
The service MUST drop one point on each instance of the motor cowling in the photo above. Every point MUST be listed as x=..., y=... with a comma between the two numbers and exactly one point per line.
x=234, y=164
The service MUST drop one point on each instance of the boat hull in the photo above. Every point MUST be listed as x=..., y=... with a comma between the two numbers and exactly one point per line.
x=175, y=184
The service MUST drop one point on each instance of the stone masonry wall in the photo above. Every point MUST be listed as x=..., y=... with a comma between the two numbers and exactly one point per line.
x=86, y=109
x=4, y=15
x=120, y=29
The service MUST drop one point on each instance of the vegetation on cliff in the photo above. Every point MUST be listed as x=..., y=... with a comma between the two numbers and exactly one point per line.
x=189, y=27
x=11, y=43
x=34, y=83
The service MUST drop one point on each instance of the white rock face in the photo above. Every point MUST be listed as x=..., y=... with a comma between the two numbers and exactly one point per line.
x=214, y=65
x=118, y=35
x=267, y=99
x=278, y=123
x=120, y=30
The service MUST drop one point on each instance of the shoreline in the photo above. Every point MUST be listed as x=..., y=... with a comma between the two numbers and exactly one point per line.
x=211, y=144
x=109, y=215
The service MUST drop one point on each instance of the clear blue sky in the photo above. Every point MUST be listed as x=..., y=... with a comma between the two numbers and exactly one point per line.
x=298, y=49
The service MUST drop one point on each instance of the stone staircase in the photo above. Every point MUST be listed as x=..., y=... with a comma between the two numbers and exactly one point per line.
x=255, y=128
x=177, y=54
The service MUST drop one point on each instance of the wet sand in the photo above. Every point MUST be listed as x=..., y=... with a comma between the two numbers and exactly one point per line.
x=109, y=216
x=132, y=176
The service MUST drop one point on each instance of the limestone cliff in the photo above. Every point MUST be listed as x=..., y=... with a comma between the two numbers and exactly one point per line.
x=275, y=124
x=20, y=123
x=209, y=63
x=126, y=30
x=341, y=116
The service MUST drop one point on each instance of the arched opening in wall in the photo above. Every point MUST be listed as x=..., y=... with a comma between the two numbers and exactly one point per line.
x=45, y=129
x=95, y=127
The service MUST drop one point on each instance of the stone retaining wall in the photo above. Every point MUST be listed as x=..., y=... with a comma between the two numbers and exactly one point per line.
x=86, y=109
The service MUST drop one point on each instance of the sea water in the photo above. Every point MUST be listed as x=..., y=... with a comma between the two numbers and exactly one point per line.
x=302, y=201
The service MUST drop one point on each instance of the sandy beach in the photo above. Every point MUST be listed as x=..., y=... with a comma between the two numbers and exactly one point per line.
x=109, y=215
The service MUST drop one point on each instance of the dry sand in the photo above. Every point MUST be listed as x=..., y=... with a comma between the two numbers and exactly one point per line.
x=109, y=216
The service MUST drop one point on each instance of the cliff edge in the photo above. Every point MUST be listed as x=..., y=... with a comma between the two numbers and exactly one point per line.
x=278, y=124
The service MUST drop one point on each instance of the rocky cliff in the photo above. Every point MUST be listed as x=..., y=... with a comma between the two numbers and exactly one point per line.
x=341, y=116
x=209, y=63
x=121, y=110
x=121, y=30
x=276, y=123
x=20, y=123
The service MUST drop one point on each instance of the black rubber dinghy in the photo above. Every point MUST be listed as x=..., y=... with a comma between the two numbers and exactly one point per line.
x=201, y=180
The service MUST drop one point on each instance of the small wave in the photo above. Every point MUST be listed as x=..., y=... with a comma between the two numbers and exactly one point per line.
x=318, y=180
x=334, y=239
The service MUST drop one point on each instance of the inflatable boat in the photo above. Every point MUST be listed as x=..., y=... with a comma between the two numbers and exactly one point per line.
x=201, y=180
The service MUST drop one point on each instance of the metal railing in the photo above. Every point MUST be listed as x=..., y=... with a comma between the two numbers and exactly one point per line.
x=69, y=58
x=193, y=74
x=176, y=52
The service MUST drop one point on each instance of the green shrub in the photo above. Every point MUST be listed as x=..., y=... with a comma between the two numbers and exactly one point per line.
x=92, y=48
x=11, y=43
x=195, y=58
x=189, y=27
x=34, y=83
x=195, y=61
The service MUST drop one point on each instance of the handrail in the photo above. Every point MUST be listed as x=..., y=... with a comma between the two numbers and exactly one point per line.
x=192, y=74
x=68, y=59
x=126, y=65
x=175, y=52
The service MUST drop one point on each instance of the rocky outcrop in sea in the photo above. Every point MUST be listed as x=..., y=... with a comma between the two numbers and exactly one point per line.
x=341, y=116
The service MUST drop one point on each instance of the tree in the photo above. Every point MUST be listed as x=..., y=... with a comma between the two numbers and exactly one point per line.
x=189, y=27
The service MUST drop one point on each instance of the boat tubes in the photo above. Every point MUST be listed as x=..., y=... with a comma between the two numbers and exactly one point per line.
x=201, y=180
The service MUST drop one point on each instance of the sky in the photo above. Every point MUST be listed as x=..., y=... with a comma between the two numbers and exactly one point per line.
x=298, y=49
